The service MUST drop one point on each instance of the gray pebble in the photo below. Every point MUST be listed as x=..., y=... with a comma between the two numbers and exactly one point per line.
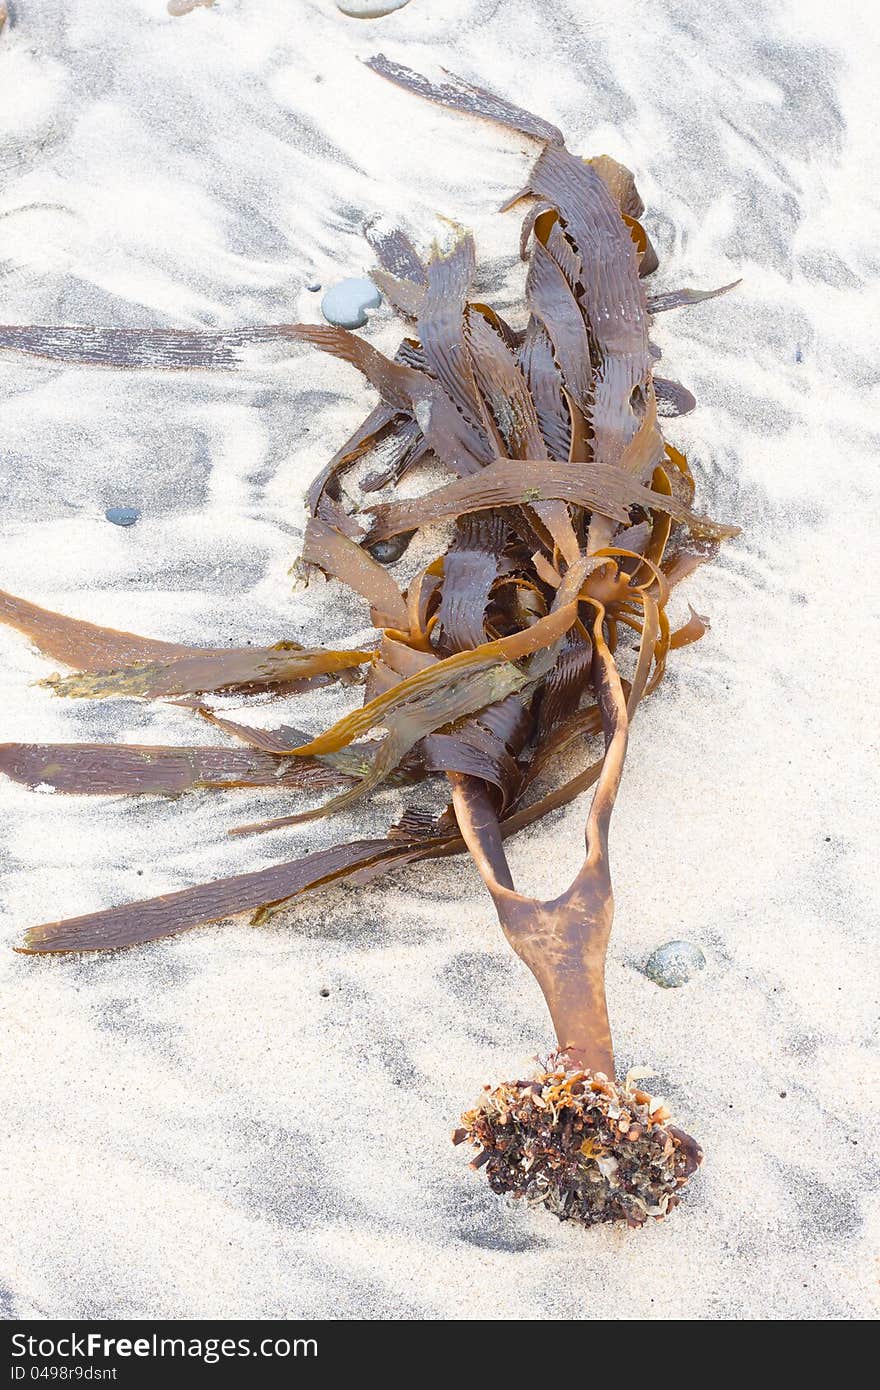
x=313, y=286
x=390, y=550
x=346, y=304
x=674, y=963
x=122, y=516
x=369, y=9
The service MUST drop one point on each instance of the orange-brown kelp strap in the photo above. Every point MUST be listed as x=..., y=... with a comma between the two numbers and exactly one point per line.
x=344, y=559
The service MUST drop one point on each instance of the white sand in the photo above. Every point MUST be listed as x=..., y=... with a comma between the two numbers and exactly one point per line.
x=191, y=1129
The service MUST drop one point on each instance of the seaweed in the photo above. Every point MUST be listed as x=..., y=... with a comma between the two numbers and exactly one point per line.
x=126, y=768
x=120, y=663
x=541, y=627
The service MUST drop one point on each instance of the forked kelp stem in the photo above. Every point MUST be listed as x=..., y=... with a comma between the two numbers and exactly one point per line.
x=564, y=941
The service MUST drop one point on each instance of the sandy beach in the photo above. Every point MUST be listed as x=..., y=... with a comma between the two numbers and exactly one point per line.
x=248, y=1122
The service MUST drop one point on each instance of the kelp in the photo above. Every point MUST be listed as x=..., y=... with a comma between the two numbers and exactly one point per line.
x=106, y=769
x=675, y=299
x=154, y=918
x=82, y=644
x=342, y=558
x=233, y=668
x=538, y=631
x=422, y=703
x=470, y=567
x=123, y=664
x=672, y=397
x=165, y=349
x=596, y=486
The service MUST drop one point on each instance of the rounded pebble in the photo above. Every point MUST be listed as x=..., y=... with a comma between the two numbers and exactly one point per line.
x=346, y=304
x=313, y=286
x=369, y=9
x=122, y=516
x=674, y=964
x=387, y=551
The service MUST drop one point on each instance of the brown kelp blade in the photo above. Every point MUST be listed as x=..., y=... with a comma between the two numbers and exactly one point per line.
x=538, y=365
x=673, y=398
x=280, y=741
x=461, y=96
x=238, y=668
x=81, y=644
x=567, y=682
x=396, y=252
x=369, y=433
x=135, y=923
x=397, y=383
x=441, y=326
x=121, y=663
x=101, y=769
x=551, y=300
x=676, y=299
x=344, y=559
x=696, y=627
x=503, y=387
x=165, y=349
x=405, y=448
x=599, y=487
x=457, y=439
x=474, y=751
x=620, y=183
x=470, y=568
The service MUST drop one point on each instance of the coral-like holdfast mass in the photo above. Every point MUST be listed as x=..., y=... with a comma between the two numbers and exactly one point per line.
x=542, y=626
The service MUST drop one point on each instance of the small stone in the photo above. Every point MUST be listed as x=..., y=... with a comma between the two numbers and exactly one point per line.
x=390, y=550
x=122, y=516
x=346, y=304
x=674, y=963
x=369, y=9
x=313, y=286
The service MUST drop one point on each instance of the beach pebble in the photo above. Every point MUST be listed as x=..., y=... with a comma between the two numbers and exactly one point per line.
x=387, y=551
x=313, y=286
x=674, y=963
x=346, y=304
x=122, y=516
x=369, y=9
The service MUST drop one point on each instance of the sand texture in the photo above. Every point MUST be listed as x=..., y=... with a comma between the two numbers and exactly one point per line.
x=195, y=1129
